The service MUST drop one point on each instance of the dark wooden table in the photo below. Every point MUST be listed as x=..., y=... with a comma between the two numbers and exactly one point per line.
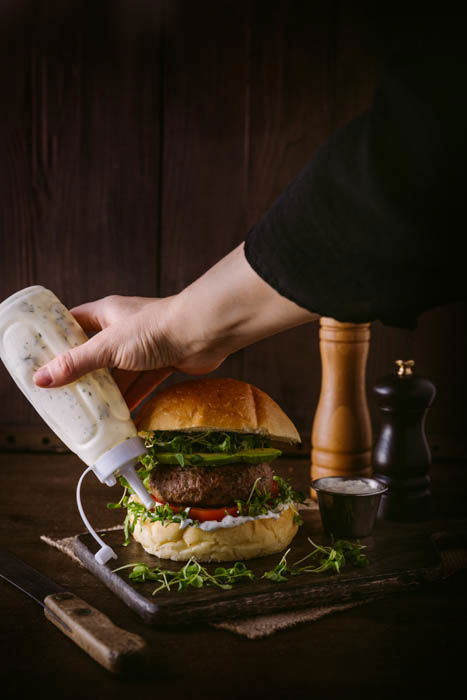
x=412, y=642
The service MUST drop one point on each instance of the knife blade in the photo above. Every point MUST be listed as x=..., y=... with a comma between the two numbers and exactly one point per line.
x=112, y=647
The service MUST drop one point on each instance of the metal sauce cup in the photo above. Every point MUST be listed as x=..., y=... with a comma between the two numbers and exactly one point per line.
x=349, y=515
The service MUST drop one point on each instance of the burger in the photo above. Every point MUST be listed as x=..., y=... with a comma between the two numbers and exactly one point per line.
x=209, y=471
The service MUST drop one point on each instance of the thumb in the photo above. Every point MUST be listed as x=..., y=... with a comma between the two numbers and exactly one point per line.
x=72, y=364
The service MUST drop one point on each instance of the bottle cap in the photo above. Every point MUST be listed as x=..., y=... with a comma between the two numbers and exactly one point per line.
x=121, y=459
x=104, y=555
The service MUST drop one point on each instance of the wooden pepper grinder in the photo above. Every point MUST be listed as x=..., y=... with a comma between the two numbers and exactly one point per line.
x=341, y=434
x=401, y=455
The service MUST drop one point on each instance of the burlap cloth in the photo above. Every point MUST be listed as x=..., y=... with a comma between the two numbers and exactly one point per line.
x=260, y=626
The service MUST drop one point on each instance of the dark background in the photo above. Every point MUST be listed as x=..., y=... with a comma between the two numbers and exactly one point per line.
x=140, y=140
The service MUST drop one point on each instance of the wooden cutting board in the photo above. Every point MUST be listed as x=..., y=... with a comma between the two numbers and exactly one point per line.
x=401, y=556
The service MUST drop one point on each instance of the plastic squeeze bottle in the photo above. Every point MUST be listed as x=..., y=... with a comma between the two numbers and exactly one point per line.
x=89, y=415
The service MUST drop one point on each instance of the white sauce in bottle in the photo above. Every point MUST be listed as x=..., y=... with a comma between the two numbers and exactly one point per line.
x=90, y=415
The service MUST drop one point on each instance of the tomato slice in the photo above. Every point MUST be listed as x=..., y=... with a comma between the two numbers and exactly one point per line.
x=203, y=514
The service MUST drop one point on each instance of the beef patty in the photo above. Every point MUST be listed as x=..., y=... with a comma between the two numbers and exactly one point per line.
x=208, y=486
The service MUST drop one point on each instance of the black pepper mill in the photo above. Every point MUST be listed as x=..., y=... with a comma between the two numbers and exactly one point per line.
x=401, y=456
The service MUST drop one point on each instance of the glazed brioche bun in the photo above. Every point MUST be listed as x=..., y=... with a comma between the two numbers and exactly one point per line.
x=217, y=403
x=255, y=538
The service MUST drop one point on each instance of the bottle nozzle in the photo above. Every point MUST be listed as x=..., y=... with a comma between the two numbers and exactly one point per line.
x=137, y=485
x=121, y=460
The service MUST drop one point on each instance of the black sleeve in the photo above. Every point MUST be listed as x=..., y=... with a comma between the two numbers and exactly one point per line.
x=372, y=227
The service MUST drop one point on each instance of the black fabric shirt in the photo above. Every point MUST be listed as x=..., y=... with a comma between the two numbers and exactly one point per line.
x=373, y=227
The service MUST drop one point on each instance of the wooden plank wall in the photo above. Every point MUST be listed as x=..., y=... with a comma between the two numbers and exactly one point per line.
x=140, y=140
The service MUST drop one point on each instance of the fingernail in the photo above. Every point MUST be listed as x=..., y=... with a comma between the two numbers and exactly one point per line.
x=42, y=377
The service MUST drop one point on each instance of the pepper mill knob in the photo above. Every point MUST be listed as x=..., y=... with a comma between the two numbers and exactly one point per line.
x=404, y=367
x=401, y=456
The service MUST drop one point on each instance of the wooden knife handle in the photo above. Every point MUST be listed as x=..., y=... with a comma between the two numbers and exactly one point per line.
x=112, y=647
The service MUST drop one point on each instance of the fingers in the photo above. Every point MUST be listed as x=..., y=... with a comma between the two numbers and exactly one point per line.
x=95, y=315
x=144, y=384
x=72, y=364
x=88, y=316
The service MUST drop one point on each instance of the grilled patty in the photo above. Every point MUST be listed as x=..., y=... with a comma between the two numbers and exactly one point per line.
x=208, y=486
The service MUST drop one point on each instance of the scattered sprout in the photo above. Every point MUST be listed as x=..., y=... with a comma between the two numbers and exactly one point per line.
x=194, y=575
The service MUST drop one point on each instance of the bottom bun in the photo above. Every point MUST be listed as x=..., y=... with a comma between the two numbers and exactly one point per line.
x=255, y=538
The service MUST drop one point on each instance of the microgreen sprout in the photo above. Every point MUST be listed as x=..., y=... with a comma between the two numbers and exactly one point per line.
x=261, y=501
x=120, y=504
x=195, y=575
x=191, y=575
x=208, y=441
x=321, y=558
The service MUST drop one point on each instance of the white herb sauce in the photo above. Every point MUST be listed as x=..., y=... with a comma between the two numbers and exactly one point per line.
x=90, y=415
x=233, y=521
x=337, y=485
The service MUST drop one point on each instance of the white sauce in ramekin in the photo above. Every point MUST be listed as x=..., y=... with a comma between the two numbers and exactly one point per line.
x=345, y=485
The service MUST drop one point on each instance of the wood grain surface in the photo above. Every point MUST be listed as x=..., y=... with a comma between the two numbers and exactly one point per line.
x=412, y=642
x=139, y=141
x=110, y=646
x=400, y=556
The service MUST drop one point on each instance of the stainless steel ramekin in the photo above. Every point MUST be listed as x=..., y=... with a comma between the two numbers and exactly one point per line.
x=349, y=515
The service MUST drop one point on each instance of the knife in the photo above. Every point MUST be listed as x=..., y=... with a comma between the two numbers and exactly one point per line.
x=112, y=647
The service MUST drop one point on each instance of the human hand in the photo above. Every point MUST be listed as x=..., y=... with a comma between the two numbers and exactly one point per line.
x=124, y=329
x=132, y=337
x=145, y=339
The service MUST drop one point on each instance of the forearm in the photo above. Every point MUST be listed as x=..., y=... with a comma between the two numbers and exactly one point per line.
x=230, y=307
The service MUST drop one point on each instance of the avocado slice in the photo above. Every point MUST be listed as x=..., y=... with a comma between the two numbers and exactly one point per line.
x=202, y=459
x=258, y=455
x=216, y=459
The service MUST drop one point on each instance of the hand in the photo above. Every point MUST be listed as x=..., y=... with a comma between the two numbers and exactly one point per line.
x=144, y=340
x=130, y=338
x=125, y=329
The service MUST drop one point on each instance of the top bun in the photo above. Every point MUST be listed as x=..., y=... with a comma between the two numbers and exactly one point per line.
x=217, y=403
